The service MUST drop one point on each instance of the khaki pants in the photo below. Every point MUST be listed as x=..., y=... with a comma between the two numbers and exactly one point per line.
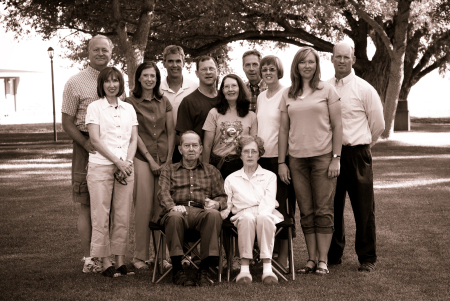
x=110, y=210
x=146, y=206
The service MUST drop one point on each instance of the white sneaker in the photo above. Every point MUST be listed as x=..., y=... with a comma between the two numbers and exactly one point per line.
x=92, y=265
x=269, y=278
x=244, y=278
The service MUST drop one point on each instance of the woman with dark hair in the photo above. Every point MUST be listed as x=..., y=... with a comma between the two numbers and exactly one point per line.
x=251, y=198
x=225, y=123
x=155, y=148
x=112, y=126
x=312, y=128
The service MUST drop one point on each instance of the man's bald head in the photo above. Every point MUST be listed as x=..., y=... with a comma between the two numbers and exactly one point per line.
x=343, y=59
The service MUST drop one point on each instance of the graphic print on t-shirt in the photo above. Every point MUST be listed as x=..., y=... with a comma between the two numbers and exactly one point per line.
x=230, y=131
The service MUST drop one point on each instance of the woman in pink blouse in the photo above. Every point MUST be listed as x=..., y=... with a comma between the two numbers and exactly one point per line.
x=311, y=126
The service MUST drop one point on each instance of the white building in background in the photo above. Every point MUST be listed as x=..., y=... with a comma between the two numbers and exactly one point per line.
x=25, y=97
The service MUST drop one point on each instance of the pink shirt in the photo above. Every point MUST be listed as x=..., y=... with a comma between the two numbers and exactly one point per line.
x=310, y=132
x=227, y=129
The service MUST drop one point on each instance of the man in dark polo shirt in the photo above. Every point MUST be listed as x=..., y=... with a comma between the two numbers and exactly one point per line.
x=195, y=107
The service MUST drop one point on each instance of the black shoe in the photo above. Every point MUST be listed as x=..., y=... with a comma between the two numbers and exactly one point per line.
x=181, y=279
x=335, y=262
x=203, y=279
x=367, y=267
x=111, y=272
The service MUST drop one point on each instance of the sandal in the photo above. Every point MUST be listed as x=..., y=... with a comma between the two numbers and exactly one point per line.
x=306, y=269
x=322, y=271
x=124, y=271
x=111, y=272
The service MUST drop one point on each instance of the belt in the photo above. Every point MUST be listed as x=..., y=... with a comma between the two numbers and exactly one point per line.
x=221, y=160
x=190, y=204
x=348, y=147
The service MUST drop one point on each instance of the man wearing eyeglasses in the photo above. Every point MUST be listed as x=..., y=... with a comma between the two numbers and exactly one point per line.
x=191, y=195
x=195, y=107
x=250, y=62
x=363, y=123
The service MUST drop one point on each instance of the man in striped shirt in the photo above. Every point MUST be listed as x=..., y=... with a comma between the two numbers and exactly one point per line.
x=80, y=91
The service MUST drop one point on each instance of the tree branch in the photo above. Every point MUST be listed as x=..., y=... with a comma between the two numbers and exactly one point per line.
x=377, y=27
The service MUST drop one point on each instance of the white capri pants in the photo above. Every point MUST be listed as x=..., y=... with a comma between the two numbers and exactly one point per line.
x=249, y=223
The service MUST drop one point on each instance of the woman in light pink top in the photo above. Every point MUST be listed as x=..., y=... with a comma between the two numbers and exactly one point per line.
x=311, y=126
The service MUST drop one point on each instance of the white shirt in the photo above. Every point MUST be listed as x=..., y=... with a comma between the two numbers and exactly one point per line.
x=269, y=116
x=175, y=98
x=115, y=127
x=362, y=111
x=258, y=191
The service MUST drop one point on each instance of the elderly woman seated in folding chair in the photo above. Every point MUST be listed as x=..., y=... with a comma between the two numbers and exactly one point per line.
x=251, y=198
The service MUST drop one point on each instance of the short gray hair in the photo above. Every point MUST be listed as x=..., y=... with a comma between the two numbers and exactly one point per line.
x=99, y=36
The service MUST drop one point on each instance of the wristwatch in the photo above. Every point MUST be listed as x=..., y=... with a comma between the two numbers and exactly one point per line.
x=130, y=161
x=336, y=156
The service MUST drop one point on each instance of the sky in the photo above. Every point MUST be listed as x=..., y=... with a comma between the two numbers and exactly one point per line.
x=428, y=98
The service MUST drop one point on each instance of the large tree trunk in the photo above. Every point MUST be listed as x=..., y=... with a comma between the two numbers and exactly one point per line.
x=134, y=48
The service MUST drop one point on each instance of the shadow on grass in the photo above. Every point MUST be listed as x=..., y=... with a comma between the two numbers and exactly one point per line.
x=40, y=253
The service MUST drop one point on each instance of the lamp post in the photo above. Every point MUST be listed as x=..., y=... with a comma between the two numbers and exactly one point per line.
x=51, y=52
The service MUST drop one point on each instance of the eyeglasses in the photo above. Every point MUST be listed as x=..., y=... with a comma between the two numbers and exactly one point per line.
x=210, y=69
x=119, y=179
x=272, y=69
x=248, y=152
x=232, y=87
x=188, y=146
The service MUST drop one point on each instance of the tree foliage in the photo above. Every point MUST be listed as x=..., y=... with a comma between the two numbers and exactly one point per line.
x=411, y=38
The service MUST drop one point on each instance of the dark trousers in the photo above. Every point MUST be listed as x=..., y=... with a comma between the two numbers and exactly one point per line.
x=283, y=192
x=206, y=221
x=356, y=178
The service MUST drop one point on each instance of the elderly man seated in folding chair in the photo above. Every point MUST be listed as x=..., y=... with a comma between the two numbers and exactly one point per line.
x=191, y=195
x=251, y=198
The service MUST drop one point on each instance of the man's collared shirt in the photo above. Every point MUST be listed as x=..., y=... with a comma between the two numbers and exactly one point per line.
x=175, y=98
x=362, y=111
x=178, y=183
x=255, y=90
x=115, y=123
x=79, y=92
x=151, y=115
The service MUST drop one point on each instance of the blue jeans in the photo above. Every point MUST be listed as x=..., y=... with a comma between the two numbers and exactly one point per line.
x=314, y=192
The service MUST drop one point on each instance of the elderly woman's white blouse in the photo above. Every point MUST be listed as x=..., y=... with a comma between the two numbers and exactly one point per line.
x=258, y=192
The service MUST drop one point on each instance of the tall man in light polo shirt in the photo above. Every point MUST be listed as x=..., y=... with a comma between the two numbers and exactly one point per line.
x=175, y=87
x=250, y=63
x=79, y=91
x=363, y=123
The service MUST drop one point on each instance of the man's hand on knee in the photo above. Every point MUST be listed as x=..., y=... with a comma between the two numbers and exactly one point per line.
x=211, y=204
x=179, y=208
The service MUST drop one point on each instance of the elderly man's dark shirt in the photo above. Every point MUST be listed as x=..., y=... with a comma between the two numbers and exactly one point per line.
x=181, y=184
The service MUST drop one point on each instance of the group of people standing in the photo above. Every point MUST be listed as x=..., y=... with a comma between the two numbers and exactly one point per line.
x=170, y=145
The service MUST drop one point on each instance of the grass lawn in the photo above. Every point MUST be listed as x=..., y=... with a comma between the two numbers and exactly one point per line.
x=40, y=253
